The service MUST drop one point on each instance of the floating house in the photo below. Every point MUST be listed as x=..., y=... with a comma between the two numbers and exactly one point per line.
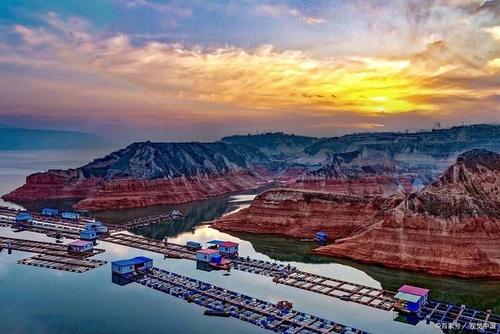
x=226, y=248
x=70, y=215
x=134, y=265
x=321, y=237
x=410, y=299
x=80, y=246
x=229, y=248
x=24, y=218
x=206, y=255
x=88, y=235
x=50, y=212
x=97, y=226
x=193, y=245
x=214, y=244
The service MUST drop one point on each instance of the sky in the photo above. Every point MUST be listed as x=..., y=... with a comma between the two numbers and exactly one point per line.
x=200, y=69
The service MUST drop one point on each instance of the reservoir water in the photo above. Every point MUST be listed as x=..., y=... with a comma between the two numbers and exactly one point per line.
x=36, y=300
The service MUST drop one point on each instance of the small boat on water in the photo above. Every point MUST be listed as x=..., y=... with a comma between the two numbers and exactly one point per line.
x=176, y=214
x=215, y=313
x=284, y=305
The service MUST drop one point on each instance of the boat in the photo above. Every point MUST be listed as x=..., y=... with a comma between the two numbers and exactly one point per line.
x=215, y=313
x=284, y=305
x=176, y=213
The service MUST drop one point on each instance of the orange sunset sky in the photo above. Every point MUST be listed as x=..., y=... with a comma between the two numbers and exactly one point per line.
x=181, y=70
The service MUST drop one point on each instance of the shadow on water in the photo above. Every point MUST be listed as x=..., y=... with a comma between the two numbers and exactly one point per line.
x=194, y=214
x=479, y=294
x=61, y=204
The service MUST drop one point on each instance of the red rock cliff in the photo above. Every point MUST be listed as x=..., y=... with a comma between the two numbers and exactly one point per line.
x=55, y=184
x=299, y=213
x=129, y=193
x=451, y=227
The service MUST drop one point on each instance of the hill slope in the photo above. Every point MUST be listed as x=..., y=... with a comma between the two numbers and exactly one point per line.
x=451, y=227
x=145, y=174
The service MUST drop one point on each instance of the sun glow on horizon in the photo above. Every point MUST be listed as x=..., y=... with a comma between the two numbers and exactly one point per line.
x=381, y=70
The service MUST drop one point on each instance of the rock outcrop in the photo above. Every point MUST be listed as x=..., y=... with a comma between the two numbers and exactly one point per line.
x=299, y=213
x=361, y=172
x=145, y=174
x=132, y=193
x=451, y=227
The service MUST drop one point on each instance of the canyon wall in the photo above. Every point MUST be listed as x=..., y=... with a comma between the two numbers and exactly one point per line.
x=301, y=214
x=450, y=227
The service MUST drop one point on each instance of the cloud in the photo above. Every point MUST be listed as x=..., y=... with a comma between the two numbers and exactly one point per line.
x=279, y=10
x=72, y=70
x=494, y=32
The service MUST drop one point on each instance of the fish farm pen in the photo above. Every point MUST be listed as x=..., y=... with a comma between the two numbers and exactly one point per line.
x=56, y=223
x=62, y=263
x=52, y=255
x=155, y=246
x=466, y=318
x=281, y=273
x=348, y=291
x=291, y=276
x=42, y=247
x=258, y=312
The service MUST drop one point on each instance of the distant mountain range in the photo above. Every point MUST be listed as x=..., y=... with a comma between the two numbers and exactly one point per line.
x=149, y=173
x=12, y=138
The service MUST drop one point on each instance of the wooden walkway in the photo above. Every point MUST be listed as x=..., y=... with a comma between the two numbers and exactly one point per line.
x=258, y=312
x=169, y=250
x=62, y=263
x=41, y=247
x=145, y=221
x=52, y=255
x=347, y=291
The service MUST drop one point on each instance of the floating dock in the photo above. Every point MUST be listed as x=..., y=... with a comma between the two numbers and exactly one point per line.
x=465, y=318
x=149, y=220
x=41, y=247
x=52, y=255
x=62, y=263
x=258, y=312
x=155, y=246
x=347, y=291
x=73, y=227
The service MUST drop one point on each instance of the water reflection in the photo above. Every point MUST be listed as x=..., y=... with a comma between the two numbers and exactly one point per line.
x=194, y=214
x=475, y=293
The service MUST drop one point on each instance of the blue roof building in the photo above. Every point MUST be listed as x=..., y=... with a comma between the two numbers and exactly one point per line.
x=321, y=237
x=70, y=215
x=193, y=245
x=96, y=226
x=24, y=217
x=214, y=243
x=50, y=212
x=88, y=234
x=136, y=264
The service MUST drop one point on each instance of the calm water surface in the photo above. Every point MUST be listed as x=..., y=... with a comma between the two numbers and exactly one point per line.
x=47, y=301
